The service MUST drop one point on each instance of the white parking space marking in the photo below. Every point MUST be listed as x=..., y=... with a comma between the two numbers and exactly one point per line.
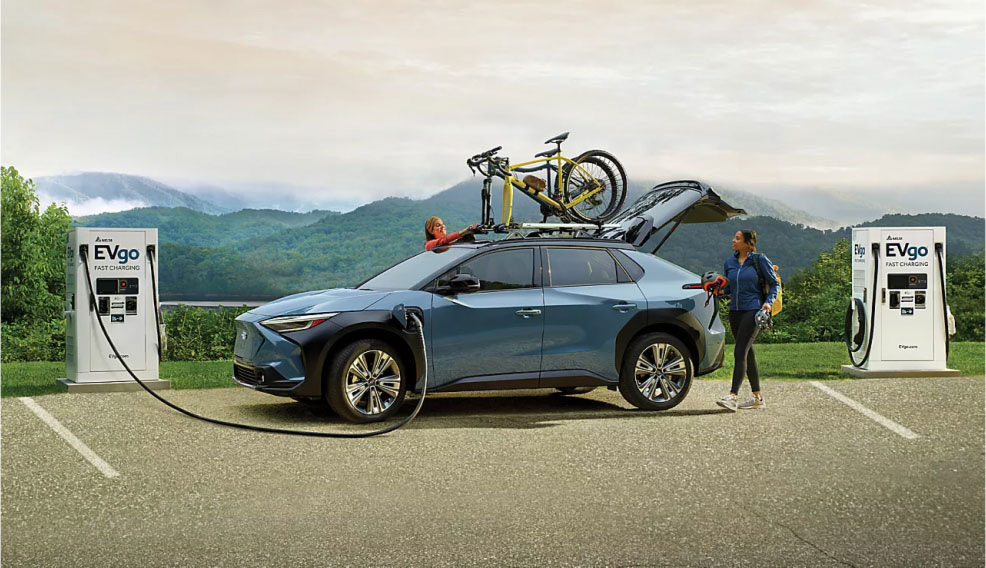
x=878, y=418
x=69, y=437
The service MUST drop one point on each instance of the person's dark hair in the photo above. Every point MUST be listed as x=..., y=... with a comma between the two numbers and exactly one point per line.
x=750, y=238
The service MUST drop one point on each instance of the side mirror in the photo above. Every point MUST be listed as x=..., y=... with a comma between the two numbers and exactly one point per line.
x=464, y=283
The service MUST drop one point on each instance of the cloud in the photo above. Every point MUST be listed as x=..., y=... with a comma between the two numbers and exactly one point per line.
x=376, y=99
x=90, y=206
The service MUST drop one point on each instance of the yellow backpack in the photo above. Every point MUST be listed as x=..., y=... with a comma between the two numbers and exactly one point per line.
x=778, y=304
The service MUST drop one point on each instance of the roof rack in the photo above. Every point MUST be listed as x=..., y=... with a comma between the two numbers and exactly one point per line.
x=574, y=230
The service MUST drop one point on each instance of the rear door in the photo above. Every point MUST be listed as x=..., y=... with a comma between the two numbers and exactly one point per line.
x=495, y=330
x=588, y=299
x=651, y=220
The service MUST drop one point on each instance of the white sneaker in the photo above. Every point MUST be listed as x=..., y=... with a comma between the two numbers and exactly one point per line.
x=728, y=402
x=754, y=404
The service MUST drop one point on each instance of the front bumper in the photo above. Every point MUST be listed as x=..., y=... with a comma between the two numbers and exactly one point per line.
x=267, y=361
x=264, y=378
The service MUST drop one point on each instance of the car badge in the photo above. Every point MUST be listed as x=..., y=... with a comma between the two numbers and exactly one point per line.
x=243, y=335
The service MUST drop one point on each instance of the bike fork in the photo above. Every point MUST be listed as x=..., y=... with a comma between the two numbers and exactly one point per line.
x=487, y=212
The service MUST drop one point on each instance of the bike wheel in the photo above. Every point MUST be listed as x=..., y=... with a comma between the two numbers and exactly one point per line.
x=596, y=168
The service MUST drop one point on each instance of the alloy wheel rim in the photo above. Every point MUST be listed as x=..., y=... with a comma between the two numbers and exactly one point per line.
x=660, y=372
x=373, y=382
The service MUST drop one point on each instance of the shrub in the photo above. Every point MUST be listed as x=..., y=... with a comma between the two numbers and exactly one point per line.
x=41, y=340
x=196, y=334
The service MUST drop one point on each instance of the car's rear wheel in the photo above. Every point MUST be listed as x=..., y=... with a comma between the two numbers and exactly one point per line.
x=575, y=390
x=657, y=372
x=367, y=381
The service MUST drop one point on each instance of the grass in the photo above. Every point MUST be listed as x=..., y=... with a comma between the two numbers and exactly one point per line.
x=785, y=361
x=31, y=379
x=820, y=361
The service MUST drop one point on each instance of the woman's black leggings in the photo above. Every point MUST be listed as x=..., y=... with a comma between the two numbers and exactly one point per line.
x=743, y=324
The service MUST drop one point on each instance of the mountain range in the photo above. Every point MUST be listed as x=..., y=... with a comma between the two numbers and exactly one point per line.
x=96, y=192
x=262, y=254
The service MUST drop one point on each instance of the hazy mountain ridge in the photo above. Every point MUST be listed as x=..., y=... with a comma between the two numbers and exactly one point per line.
x=78, y=189
x=184, y=226
x=116, y=192
x=245, y=254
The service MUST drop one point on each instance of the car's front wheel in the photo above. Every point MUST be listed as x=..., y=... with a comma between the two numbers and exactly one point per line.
x=657, y=372
x=367, y=381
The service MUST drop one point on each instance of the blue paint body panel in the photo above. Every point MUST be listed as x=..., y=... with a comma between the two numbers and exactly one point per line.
x=581, y=325
x=662, y=285
x=482, y=334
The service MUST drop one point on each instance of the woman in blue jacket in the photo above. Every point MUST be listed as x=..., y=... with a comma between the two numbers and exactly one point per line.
x=746, y=298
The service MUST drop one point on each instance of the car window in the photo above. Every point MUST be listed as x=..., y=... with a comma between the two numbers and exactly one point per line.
x=501, y=270
x=630, y=265
x=413, y=270
x=582, y=267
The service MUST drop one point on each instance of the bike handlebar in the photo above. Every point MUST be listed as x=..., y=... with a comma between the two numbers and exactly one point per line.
x=479, y=158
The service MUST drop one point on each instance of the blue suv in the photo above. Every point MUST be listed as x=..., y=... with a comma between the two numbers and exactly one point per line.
x=532, y=312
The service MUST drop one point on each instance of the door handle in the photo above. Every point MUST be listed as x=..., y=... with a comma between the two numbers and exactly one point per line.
x=624, y=307
x=528, y=312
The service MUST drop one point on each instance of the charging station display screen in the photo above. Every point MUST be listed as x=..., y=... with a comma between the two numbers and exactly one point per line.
x=117, y=285
x=907, y=281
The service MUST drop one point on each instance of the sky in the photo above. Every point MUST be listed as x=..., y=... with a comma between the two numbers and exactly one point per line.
x=355, y=101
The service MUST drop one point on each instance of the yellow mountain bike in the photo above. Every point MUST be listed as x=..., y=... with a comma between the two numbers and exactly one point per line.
x=589, y=188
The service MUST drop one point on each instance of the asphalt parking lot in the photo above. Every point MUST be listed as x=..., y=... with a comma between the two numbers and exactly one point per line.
x=520, y=478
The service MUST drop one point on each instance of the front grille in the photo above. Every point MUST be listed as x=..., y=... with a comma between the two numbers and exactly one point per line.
x=245, y=374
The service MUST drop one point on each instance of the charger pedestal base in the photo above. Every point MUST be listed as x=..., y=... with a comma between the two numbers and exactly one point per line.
x=112, y=386
x=866, y=374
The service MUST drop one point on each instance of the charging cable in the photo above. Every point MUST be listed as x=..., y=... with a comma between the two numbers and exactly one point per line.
x=869, y=341
x=944, y=308
x=84, y=253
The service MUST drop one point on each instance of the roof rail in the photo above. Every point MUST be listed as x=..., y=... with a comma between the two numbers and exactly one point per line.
x=571, y=230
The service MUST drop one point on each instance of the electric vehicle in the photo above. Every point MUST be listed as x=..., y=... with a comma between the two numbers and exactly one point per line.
x=570, y=314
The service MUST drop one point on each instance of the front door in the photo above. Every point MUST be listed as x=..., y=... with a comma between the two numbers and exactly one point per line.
x=495, y=330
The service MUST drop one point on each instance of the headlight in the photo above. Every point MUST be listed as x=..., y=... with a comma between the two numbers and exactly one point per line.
x=301, y=322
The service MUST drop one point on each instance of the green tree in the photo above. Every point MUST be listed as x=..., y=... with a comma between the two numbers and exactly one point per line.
x=816, y=298
x=33, y=249
x=32, y=244
x=966, y=288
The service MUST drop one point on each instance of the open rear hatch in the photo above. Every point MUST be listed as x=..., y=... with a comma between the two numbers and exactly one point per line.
x=650, y=221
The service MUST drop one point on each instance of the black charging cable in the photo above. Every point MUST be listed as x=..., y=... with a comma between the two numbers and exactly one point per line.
x=944, y=308
x=869, y=341
x=84, y=254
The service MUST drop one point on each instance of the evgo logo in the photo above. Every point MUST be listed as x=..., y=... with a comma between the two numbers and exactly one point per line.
x=104, y=252
x=905, y=249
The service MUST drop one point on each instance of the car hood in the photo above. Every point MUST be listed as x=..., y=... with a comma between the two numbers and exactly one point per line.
x=649, y=222
x=335, y=300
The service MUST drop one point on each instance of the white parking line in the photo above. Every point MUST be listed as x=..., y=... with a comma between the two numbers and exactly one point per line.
x=69, y=437
x=879, y=419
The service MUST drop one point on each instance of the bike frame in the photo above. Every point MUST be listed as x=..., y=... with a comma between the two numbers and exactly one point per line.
x=510, y=182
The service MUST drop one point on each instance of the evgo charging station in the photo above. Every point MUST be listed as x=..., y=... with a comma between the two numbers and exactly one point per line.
x=124, y=283
x=898, y=322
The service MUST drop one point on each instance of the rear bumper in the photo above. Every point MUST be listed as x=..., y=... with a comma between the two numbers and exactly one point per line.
x=716, y=362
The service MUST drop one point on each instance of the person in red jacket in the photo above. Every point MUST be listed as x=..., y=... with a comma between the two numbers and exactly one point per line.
x=435, y=235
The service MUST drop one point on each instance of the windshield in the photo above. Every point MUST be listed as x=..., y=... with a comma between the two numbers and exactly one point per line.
x=412, y=271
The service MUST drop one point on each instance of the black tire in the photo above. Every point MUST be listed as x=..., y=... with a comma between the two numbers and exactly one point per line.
x=604, y=169
x=575, y=390
x=635, y=384
x=377, y=401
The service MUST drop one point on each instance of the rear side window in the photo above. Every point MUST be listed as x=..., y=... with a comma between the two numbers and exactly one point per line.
x=632, y=268
x=582, y=267
x=501, y=270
